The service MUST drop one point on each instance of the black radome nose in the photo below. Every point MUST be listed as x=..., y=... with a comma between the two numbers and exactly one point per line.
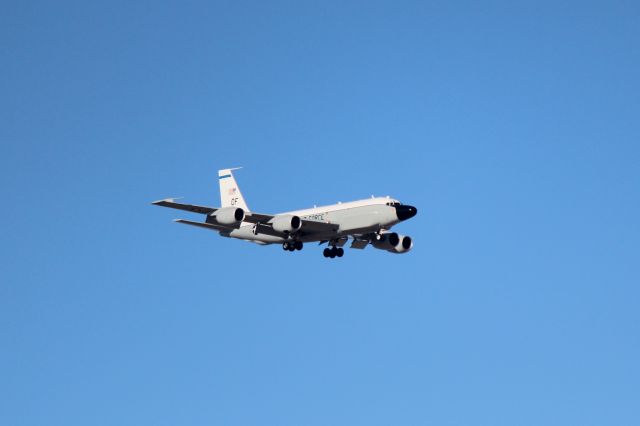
x=406, y=212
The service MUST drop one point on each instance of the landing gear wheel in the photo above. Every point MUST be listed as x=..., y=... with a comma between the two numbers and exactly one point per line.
x=292, y=247
x=298, y=245
x=333, y=252
x=285, y=246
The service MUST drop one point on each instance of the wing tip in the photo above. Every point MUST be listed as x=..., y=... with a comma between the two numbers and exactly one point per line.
x=165, y=200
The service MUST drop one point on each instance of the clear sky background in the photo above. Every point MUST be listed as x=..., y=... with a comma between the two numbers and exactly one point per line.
x=514, y=127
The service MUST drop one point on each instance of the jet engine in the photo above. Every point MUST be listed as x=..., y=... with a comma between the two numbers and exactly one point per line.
x=392, y=242
x=286, y=223
x=406, y=244
x=228, y=215
x=386, y=241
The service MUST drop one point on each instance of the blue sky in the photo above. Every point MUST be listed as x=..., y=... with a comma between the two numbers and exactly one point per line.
x=512, y=126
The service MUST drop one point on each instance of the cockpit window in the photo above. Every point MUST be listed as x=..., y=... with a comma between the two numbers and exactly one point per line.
x=394, y=204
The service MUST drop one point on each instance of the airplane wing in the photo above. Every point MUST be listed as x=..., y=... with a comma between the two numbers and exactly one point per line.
x=210, y=226
x=308, y=227
x=170, y=202
x=261, y=220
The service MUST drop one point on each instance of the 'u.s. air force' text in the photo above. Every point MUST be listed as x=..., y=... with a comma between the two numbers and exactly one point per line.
x=316, y=217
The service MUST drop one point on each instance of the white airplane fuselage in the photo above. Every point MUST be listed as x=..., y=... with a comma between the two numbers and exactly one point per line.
x=354, y=217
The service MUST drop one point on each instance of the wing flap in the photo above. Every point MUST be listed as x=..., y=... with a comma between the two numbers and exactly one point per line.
x=308, y=227
x=359, y=244
x=265, y=229
x=252, y=217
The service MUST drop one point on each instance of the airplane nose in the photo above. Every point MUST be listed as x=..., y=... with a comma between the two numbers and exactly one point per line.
x=406, y=212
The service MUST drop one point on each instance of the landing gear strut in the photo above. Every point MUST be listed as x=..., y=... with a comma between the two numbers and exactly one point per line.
x=333, y=252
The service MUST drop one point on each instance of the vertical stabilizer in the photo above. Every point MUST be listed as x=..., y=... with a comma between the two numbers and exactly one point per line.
x=230, y=194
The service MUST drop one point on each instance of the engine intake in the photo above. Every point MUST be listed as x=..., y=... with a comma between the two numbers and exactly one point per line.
x=406, y=244
x=392, y=242
x=386, y=241
x=286, y=223
x=228, y=216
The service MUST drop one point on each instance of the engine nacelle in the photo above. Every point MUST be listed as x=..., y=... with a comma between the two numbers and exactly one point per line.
x=392, y=242
x=228, y=215
x=386, y=241
x=406, y=244
x=286, y=223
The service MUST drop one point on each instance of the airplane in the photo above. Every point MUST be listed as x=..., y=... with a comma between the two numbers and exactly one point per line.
x=365, y=222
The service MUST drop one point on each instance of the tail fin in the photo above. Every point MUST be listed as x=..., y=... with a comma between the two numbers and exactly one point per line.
x=230, y=194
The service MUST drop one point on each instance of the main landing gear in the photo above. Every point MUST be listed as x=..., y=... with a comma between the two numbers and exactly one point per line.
x=333, y=252
x=292, y=245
